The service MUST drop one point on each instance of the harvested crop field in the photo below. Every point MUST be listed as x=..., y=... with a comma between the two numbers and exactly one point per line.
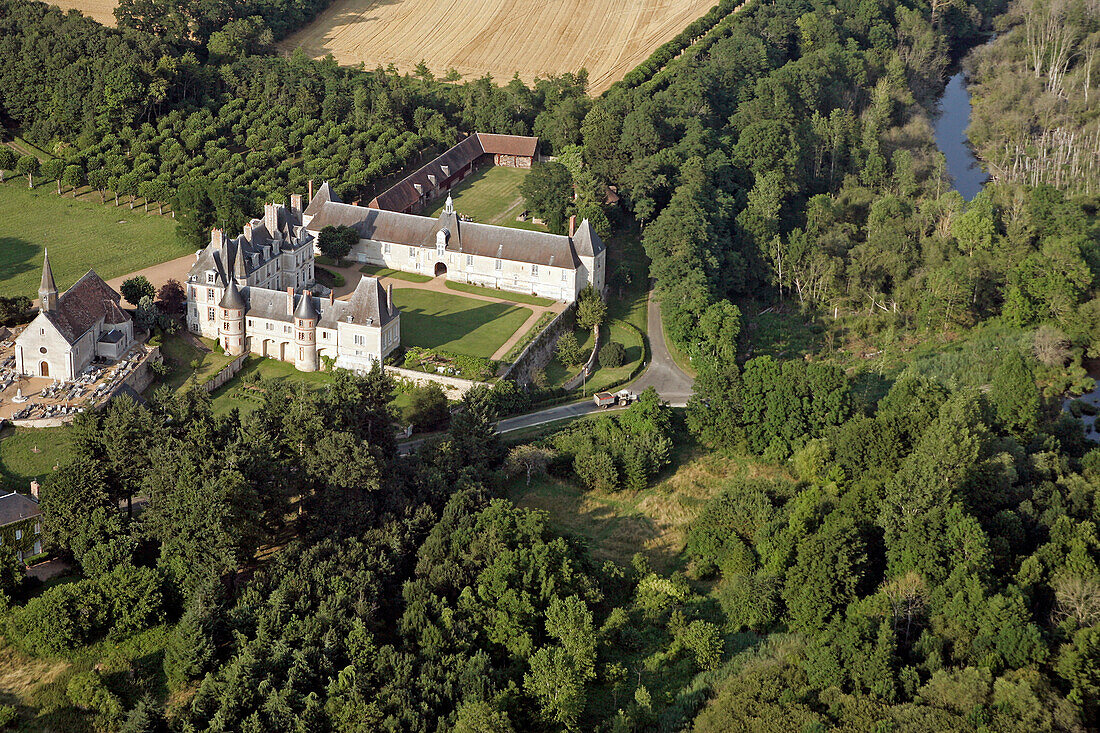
x=499, y=37
x=101, y=10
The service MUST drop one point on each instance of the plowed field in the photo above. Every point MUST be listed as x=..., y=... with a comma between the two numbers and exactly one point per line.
x=499, y=37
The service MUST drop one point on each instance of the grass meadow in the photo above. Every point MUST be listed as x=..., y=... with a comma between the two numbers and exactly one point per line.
x=81, y=234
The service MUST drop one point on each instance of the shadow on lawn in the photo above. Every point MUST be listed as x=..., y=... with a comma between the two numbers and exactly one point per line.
x=16, y=257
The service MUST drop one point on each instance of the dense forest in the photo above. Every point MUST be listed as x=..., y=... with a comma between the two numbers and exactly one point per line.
x=917, y=556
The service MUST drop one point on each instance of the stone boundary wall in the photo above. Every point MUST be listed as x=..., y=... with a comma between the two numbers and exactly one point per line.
x=138, y=380
x=589, y=366
x=449, y=384
x=540, y=351
x=228, y=372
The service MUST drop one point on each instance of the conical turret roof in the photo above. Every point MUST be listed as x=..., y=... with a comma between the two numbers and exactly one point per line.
x=232, y=299
x=48, y=285
x=306, y=309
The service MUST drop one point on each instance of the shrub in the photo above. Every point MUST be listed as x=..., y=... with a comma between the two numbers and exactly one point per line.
x=88, y=692
x=8, y=715
x=612, y=355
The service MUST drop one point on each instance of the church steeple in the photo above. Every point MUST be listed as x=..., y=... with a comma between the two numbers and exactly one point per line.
x=449, y=205
x=47, y=291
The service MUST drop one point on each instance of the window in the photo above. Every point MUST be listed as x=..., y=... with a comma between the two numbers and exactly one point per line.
x=386, y=248
x=18, y=534
x=270, y=326
x=301, y=354
x=41, y=332
x=38, y=527
x=250, y=323
x=225, y=325
x=324, y=335
x=210, y=314
x=534, y=270
x=38, y=547
x=286, y=329
x=469, y=260
x=210, y=293
x=499, y=266
x=358, y=339
x=412, y=253
x=209, y=277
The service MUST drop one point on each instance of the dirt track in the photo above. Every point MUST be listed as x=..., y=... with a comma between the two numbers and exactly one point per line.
x=498, y=37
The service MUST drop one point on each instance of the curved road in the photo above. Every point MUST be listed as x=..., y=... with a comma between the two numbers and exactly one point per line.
x=662, y=374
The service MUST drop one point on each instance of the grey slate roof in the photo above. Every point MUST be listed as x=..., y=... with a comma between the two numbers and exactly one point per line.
x=322, y=197
x=466, y=237
x=306, y=309
x=367, y=305
x=15, y=507
x=231, y=298
x=79, y=307
x=240, y=250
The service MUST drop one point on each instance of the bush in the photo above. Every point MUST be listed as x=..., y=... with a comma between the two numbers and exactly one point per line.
x=429, y=407
x=569, y=350
x=8, y=715
x=88, y=692
x=612, y=355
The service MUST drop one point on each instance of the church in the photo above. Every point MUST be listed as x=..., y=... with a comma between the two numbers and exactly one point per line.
x=252, y=294
x=73, y=329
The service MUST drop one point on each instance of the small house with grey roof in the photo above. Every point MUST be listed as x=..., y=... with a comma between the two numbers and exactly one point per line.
x=73, y=329
x=21, y=523
x=252, y=294
x=517, y=260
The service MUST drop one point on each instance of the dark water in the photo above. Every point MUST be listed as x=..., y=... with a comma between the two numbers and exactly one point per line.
x=950, y=134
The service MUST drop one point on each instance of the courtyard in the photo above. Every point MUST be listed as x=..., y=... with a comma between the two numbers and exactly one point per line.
x=490, y=195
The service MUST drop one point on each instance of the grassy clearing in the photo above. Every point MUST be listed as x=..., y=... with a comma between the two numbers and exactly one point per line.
x=181, y=353
x=491, y=196
x=411, y=277
x=81, y=234
x=453, y=323
x=18, y=461
x=502, y=294
x=654, y=521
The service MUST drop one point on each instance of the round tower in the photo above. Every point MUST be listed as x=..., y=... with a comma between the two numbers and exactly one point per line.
x=231, y=328
x=305, y=334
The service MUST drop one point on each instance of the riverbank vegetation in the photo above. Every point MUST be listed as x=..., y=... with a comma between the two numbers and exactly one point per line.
x=1035, y=94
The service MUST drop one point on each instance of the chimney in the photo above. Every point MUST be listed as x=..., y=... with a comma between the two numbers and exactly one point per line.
x=572, y=225
x=332, y=296
x=389, y=299
x=271, y=218
x=311, y=190
x=248, y=231
x=296, y=204
x=217, y=237
x=290, y=301
x=34, y=489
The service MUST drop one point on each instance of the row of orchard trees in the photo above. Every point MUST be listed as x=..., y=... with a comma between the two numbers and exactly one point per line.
x=74, y=176
x=131, y=108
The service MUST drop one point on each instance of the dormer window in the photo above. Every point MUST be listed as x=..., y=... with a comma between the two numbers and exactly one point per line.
x=209, y=277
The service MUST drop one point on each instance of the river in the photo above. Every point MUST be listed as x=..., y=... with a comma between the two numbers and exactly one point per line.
x=950, y=134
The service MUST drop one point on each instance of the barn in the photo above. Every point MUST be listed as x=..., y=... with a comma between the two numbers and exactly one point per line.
x=436, y=178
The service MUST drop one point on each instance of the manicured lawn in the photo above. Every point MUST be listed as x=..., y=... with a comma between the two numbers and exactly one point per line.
x=18, y=461
x=490, y=196
x=502, y=294
x=397, y=274
x=81, y=234
x=456, y=324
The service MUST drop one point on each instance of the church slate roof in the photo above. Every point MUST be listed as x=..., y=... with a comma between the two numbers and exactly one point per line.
x=47, y=285
x=466, y=237
x=82, y=305
x=15, y=507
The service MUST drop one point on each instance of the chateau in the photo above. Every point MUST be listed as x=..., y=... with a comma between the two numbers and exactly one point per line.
x=72, y=329
x=520, y=261
x=251, y=294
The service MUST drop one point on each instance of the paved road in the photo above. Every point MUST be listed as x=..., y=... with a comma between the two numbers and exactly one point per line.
x=669, y=380
x=662, y=374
